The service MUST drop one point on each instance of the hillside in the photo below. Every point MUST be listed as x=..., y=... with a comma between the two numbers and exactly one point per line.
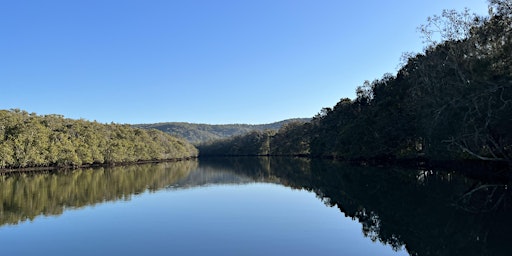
x=198, y=133
x=452, y=102
x=31, y=140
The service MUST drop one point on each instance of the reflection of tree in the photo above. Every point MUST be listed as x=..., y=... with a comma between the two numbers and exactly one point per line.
x=415, y=209
x=483, y=197
x=24, y=197
x=424, y=211
x=397, y=209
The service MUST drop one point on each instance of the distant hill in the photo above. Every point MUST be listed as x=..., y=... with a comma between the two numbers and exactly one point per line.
x=198, y=133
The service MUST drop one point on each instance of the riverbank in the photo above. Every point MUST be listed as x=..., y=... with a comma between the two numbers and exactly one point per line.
x=478, y=169
x=43, y=169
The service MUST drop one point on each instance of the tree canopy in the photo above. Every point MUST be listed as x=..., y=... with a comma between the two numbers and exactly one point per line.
x=204, y=133
x=451, y=102
x=30, y=140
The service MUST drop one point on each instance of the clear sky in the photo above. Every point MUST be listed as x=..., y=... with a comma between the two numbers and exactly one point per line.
x=203, y=61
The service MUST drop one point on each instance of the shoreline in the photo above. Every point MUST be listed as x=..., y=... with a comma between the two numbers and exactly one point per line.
x=478, y=169
x=44, y=169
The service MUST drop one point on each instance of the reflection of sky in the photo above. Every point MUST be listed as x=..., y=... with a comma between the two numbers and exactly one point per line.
x=252, y=219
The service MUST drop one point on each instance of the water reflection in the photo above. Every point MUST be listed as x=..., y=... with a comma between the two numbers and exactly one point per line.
x=427, y=212
x=24, y=197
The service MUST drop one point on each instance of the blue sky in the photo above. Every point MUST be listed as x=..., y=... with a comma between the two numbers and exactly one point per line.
x=203, y=61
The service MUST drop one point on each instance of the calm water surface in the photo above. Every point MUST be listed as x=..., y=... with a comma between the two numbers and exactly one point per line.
x=251, y=206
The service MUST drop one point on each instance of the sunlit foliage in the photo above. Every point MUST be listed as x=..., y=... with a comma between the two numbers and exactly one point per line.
x=30, y=140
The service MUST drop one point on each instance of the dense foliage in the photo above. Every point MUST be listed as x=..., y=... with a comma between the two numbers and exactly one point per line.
x=29, y=140
x=289, y=140
x=452, y=102
x=203, y=133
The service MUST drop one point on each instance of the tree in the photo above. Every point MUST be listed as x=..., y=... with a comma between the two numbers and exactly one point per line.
x=29, y=140
x=468, y=79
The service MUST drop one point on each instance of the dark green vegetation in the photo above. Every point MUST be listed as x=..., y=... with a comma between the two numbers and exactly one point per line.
x=202, y=133
x=29, y=140
x=291, y=139
x=451, y=102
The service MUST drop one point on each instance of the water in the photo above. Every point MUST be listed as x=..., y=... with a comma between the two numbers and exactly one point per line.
x=252, y=206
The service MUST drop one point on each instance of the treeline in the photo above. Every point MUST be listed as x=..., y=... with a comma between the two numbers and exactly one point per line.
x=30, y=140
x=202, y=133
x=451, y=102
x=291, y=139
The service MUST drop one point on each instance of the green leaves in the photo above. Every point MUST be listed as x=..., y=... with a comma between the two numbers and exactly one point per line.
x=29, y=140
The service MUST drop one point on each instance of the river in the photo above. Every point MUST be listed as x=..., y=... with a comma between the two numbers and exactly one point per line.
x=253, y=206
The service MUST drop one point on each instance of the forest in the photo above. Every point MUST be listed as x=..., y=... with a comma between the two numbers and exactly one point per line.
x=453, y=101
x=202, y=133
x=30, y=140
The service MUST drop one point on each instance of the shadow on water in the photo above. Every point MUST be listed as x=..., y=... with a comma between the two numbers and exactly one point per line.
x=427, y=212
